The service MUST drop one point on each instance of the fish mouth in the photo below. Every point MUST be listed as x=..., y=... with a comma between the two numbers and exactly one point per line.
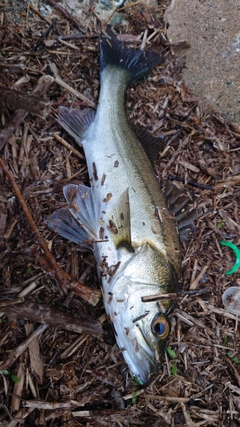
x=142, y=360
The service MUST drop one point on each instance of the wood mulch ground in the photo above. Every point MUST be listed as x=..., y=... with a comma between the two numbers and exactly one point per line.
x=56, y=368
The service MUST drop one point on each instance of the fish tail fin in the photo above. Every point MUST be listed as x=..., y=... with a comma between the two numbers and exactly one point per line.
x=136, y=61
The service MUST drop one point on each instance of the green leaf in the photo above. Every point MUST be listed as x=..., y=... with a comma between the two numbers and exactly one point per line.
x=229, y=353
x=171, y=352
x=15, y=378
x=235, y=359
x=134, y=399
x=174, y=369
x=138, y=381
x=5, y=372
x=219, y=224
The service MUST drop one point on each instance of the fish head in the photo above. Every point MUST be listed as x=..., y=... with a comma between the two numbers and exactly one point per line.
x=142, y=328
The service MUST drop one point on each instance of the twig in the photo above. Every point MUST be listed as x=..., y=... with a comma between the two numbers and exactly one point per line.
x=194, y=284
x=39, y=404
x=60, y=82
x=159, y=297
x=18, y=386
x=52, y=316
x=43, y=85
x=19, y=417
x=193, y=183
x=43, y=35
x=68, y=146
x=14, y=354
x=16, y=100
x=228, y=182
x=67, y=15
x=90, y=295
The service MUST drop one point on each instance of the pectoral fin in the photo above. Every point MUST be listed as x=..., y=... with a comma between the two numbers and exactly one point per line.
x=80, y=221
x=63, y=223
x=83, y=208
x=119, y=223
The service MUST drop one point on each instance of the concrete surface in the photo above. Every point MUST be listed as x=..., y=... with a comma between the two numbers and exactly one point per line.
x=212, y=27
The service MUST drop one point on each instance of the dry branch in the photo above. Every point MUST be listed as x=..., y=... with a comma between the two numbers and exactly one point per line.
x=52, y=316
x=92, y=296
x=20, y=100
x=43, y=85
x=61, y=83
x=14, y=354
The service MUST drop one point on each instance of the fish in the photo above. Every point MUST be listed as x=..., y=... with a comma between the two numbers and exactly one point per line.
x=123, y=216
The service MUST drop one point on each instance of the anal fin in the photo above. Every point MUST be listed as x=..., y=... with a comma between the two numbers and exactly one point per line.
x=76, y=122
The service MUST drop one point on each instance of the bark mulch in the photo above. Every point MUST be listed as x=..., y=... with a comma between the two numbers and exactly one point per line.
x=59, y=361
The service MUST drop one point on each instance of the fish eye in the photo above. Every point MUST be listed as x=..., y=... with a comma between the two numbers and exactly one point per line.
x=161, y=326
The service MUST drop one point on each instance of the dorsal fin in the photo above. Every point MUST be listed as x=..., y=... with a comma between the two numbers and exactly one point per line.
x=152, y=145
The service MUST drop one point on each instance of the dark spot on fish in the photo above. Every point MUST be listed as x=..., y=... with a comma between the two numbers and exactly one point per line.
x=107, y=198
x=101, y=233
x=95, y=176
x=143, y=223
x=116, y=163
x=115, y=314
x=103, y=212
x=125, y=243
x=154, y=231
x=122, y=216
x=110, y=298
x=127, y=330
x=103, y=178
x=112, y=226
x=120, y=300
x=133, y=190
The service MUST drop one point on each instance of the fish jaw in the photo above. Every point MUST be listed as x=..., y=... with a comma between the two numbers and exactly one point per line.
x=133, y=320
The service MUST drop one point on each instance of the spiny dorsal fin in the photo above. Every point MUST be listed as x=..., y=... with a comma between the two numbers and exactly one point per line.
x=76, y=122
x=152, y=145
